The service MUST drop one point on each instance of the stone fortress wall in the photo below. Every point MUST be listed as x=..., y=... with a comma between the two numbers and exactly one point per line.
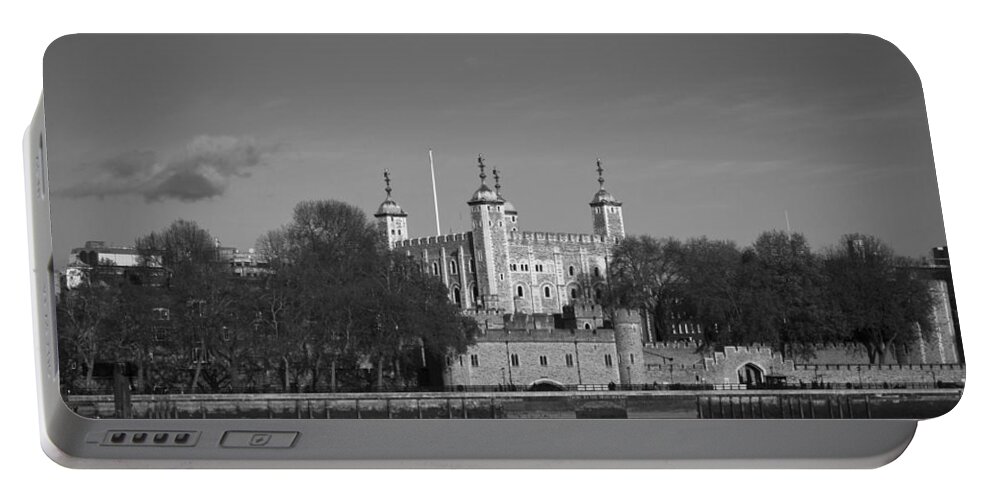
x=547, y=270
x=615, y=354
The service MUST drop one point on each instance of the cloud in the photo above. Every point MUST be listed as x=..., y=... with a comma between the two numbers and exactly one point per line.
x=203, y=170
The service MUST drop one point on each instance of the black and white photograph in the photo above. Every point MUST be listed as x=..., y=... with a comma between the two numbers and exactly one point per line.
x=497, y=227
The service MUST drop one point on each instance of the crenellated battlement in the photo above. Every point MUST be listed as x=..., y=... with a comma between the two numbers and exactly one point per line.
x=524, y=236
x=760, y=350
x=675, y=344
x=433, y=240
x=667, y=367
x=927, y=367
x=582, y=309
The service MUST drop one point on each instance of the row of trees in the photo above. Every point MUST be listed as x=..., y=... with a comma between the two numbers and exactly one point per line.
x=337, y=310
x=776, y=291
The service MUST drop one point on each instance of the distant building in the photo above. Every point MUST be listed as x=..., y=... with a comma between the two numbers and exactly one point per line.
x=248, y=264
x=96, y=260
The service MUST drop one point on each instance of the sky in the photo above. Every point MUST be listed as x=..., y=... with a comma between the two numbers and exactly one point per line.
x=699, y=135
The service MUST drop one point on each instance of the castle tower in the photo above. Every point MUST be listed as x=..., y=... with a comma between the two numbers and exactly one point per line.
x=390, y=218
x=489, y=243
x=608, y=220
x=509, y=211
x=630, y=350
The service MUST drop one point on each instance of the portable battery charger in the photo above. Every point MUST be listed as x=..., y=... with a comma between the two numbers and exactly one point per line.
x=218, y=280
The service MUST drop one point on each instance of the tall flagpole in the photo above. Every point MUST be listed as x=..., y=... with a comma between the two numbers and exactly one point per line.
x=434, y=189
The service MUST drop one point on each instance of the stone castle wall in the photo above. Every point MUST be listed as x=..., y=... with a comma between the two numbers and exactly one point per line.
x=723, y=367
x=879, y=374
x=552, y=270
x=494, y=365
x=600, y=356
x=559, y=262
x=942, y=347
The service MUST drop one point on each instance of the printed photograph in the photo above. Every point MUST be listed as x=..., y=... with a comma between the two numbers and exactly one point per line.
x=497, y=227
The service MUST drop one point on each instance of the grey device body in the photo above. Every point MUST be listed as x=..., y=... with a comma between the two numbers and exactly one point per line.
x=75, y=441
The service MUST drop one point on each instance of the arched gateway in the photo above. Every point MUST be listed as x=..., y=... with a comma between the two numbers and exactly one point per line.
x=750, y=374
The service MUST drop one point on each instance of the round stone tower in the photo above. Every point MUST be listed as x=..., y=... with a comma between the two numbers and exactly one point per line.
x=630, y=350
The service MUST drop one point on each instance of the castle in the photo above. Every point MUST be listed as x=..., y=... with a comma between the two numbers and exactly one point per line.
x=535, y=294
x=496, y=267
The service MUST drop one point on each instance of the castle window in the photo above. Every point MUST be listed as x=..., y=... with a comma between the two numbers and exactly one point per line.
x=543, y=360
x=520, y=291
x=607, y=360
x=513, y=218
x=501, y=276
x=461, y=360
x=472, y=265
x=632, y=357
x=574, y=293
x=572, y=272
x=393, y=232
x=500, y=223
x=540, y=268
x=548, y=291
x=475, y=293
x=587, y=326
x=452, y=268
x=160, y=314
x=474, y=360
x=513, y=267
x=568, y=359
x=525, y=266
x=514, y=360
x=596, y=271
x=457, y=296
x=434, y=268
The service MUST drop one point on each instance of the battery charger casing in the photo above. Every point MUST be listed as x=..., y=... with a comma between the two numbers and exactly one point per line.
x=77, y=441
